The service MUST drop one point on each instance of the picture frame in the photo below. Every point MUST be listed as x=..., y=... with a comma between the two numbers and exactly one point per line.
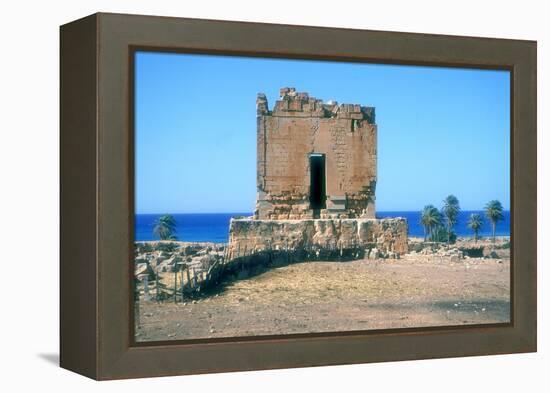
x=97, y=204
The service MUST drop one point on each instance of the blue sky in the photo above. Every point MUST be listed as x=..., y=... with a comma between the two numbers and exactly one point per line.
x=440, y=130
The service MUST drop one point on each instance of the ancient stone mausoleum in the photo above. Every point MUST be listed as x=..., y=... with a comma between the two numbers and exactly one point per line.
x=316, y=180
x=315, y=159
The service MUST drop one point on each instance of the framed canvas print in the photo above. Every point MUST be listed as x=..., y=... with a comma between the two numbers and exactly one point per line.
x=241, y=196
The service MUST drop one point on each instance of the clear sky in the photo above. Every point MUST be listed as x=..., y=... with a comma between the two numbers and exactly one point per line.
x=440, y=130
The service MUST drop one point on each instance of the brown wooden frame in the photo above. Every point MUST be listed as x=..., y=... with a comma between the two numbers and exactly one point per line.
x=97, y=196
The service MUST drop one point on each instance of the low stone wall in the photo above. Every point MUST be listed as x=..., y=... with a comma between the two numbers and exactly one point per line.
x=385, y=236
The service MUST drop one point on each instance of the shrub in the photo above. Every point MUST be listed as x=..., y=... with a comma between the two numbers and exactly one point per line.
x=142, y=247
x=168, y=247
x=440, y=235
x=505, y=245
x=473, y=252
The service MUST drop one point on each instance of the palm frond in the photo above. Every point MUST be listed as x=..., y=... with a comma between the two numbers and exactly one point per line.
x=494, y=211
x=451, y=209
x=165, y=227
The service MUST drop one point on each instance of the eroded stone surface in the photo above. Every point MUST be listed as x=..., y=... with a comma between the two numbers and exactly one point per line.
x=385, y=236
x=299, y=125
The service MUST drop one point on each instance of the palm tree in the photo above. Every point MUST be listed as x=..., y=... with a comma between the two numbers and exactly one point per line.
x=165, y=227
x=475, y=222
x=425, y=220
x=430, y=220
x=493, y=211
x=450, y=210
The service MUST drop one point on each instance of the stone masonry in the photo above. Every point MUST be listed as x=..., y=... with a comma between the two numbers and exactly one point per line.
x=300, y=125
x=386, y=236
x=316, y=181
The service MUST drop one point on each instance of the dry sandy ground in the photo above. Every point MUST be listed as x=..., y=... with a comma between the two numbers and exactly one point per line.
x=339, y=296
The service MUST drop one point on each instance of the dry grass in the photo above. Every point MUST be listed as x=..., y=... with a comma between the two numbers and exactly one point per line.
x=339, y=296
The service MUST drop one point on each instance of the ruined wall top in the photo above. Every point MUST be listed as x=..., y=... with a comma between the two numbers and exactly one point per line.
x=300, y=104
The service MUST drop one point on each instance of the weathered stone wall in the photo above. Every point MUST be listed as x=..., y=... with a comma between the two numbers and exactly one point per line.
x=298, y=126
x=247, y=235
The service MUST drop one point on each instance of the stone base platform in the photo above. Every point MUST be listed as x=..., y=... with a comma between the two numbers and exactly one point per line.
x=386, y=236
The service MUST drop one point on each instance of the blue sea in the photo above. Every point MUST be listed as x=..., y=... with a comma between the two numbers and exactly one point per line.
x=213, y=227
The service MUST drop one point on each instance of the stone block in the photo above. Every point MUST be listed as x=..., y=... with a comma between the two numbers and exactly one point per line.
x=386, y=235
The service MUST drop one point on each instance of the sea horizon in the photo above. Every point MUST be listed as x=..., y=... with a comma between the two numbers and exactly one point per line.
x=214, y=227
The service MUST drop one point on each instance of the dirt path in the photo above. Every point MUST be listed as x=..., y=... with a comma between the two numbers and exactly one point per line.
x=339, y=296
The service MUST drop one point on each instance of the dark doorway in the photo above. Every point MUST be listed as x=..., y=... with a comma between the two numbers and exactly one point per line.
x=317, y=187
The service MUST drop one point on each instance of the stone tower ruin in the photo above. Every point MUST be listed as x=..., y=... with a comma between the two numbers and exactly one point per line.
x=315, y=159
x=316, y=183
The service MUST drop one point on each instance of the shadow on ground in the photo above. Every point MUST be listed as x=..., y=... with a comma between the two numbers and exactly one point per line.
x=251, y=270
x=52, y=358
